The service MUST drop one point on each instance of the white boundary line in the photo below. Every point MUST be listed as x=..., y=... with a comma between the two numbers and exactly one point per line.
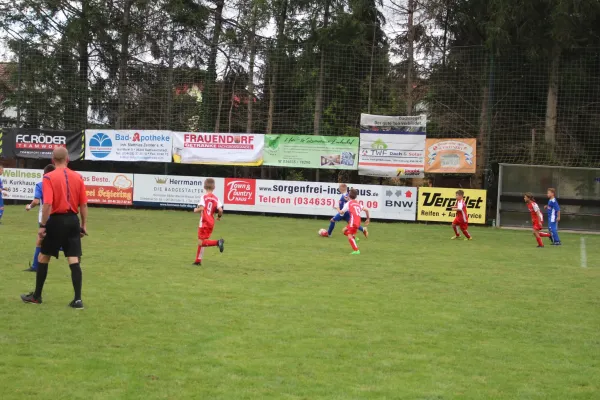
x=583, y=256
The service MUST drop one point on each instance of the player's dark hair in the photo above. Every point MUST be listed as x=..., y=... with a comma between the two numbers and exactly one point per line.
x=460, y=192
x=529, y=195
x=353, y=194
x=552, y=190
x=49, y=168
x=209, y=184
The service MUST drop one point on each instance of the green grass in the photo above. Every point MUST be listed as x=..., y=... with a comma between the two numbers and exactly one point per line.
x=285, y=314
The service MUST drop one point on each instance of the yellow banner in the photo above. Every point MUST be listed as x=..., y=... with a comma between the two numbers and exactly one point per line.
x=456, y=156
x=434, y=203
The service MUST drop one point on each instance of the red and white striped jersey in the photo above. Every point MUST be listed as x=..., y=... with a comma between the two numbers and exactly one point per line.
x=536, y=215
x=462, y=213
x=211, y=204
x=354, y=208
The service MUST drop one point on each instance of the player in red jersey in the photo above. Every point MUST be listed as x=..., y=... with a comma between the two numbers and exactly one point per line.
x=462, y=216
x=354, y=209
x=537, y=219
x=209, y=205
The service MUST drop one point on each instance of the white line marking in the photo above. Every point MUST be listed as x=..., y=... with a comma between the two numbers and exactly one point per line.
x=583, y=256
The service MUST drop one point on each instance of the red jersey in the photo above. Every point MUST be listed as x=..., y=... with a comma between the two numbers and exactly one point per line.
x=211, y=204
x=462, y=215
x=354, y=208
x=536, y=215
x=64, y=190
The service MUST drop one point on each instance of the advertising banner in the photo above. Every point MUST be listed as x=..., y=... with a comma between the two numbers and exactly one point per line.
x=315, y=198
x=20, y=183
x=218, y=148
x=170, y=191
x=392, y=146
x=108, y=188
x=39, y=143
x=434, y=204
x=306, y=151
x=128, y=145
x=399, y=203
x=454, y=156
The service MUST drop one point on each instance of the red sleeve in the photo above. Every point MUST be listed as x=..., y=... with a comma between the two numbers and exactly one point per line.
x=47, y=190
x=82, y=194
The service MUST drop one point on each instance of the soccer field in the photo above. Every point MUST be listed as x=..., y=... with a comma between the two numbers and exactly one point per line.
x=285, y=314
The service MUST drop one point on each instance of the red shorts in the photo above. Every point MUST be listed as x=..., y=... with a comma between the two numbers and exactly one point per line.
x=460, y=223
x=205, y=231
x=350, y=230
x=537, y=226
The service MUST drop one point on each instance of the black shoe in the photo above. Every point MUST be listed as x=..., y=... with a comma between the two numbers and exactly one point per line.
x=221, y=244
x=30, y=298
x=556, y=243
x=30, y=270
x=197, y=264
x=76, y=304
x=540, y=247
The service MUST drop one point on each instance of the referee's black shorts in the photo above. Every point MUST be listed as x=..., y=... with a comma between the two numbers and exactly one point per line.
x=62, y=231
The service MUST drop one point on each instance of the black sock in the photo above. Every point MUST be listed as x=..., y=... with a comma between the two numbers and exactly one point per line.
x=77, y=278
x=40, y=279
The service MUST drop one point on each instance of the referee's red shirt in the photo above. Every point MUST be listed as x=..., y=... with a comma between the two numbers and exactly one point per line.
x=64, y=190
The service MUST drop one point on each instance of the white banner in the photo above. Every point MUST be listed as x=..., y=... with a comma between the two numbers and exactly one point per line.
x=108, y=188
x=392, y=146
x=315, y=198
x=128, y=145
x=218, y=148
x=20, y=183
x=399, y=203
x=248, y=195
x=170, y=190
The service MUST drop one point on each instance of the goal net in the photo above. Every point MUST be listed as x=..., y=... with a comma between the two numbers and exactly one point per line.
x=577, y=191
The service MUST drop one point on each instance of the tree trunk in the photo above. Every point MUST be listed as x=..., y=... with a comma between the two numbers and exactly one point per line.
x=231, y=103
x=319, y=94
x=211, y=70
x=445, y=36
x=170, y=79
x=83, y=64
x=552, y=100
x=124, y=58
x=281, y=19
x=373, y=45
x=251, y=63
x=480, y=165
x=219, y=107
x=411, y=57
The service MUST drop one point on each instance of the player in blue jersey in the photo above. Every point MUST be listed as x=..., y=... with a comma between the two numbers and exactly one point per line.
x=38, y=200
x=2, y=193
x=553, y=216
x=345, y=216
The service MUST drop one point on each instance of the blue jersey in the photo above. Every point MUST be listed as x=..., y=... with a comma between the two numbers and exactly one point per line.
x=343, y=200
x=553, y=209
x=39, y=195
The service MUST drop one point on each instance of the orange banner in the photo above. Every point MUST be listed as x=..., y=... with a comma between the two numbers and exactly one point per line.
x=450, y=156
x=108, y=188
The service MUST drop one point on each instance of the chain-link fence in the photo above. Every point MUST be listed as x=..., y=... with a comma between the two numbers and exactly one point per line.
x=522, y=109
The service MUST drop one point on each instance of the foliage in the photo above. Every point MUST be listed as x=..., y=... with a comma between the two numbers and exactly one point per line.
x=478, y=68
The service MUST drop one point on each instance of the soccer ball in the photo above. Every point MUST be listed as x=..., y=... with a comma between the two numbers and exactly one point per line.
x=323, y=233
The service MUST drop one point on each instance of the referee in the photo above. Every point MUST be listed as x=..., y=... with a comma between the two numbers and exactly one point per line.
x=64, y=197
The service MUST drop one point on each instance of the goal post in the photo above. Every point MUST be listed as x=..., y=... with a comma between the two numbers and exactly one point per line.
x=577, y=191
